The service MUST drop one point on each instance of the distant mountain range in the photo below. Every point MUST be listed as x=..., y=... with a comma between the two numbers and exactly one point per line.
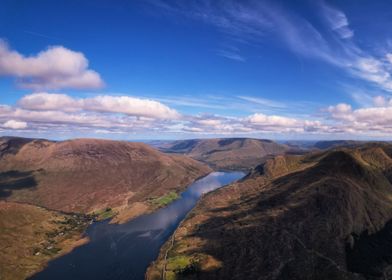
x=227, y=153
x=323, y=215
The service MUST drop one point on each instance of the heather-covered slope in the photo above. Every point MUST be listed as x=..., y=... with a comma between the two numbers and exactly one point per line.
x=86, y=175
x=320, y=216
x=227, y=153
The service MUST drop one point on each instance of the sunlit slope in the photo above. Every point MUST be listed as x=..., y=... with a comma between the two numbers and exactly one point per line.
x=87, y=175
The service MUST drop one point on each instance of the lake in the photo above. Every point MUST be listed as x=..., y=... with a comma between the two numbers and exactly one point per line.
x=125, y=251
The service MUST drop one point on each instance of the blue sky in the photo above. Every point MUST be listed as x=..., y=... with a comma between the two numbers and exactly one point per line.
x=191, y=69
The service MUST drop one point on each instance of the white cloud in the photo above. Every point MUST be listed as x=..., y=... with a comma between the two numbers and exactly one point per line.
x=274, y=123
x=104, y=103
x=379, y=101
x=49, y=101
x=60, y=113
x=364, y=120
x=209, y=122
x=340, y=110
x=389, y=57
x=130, y=106
x=265, y=120
x=13, y=124
x=54, y=68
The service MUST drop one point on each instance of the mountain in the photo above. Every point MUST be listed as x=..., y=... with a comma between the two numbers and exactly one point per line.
x=86, y=175
x=227, y=153
x=325, y=215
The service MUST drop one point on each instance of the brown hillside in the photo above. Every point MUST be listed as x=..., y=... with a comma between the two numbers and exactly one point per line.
x=30, y=236
x=86, y=175
x=321, y=216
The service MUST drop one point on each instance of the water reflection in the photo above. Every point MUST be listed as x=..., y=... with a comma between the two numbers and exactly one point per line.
x=125, y=251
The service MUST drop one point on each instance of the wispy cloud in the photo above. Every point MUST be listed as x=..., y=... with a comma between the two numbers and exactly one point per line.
x=328, y=37
x=37, y=34
x=231, y=55
x=187, y=101
x=337, y=21
x=263, y=102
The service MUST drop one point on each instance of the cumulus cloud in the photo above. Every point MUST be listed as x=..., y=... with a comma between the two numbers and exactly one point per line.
x=58, y=112
x=341, y=111
x=274, y=123
x=103, y=103
x=54, y=68
x=363, y=120
x=255, y=123
x=264, y=120
x=130, y=106
x=389, y=57
x=57, y=121
x=61, y=113
x=381, y=101
x=49, y=101
x=13, y=124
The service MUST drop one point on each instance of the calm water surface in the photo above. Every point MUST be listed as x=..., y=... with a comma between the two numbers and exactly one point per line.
x=125, y=251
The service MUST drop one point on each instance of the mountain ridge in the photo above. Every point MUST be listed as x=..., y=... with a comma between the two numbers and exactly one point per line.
x=312, y=221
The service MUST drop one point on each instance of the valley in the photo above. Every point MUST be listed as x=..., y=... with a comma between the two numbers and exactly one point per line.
x=321, y=212
x=51, y=191
x=124, y=251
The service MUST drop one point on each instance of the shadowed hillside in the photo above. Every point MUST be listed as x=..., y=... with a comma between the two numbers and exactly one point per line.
x=320, y=216
x=227, y=153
